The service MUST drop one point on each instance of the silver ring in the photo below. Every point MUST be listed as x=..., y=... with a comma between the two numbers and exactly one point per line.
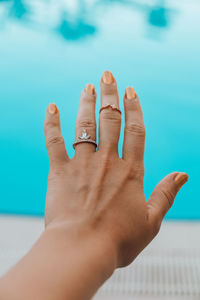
x=113, y=106
x=84, y=138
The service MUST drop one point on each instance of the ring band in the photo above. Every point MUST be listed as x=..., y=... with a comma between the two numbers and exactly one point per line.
x=84, y=138
x=113, y=106
x=84, y=141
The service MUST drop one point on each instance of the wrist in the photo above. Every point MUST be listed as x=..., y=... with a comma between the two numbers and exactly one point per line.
x=65, y=263
x=94, y=252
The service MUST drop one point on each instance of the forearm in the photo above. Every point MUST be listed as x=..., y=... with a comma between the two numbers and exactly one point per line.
x=60, y=266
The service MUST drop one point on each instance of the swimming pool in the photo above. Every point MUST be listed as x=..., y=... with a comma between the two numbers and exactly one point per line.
x=50, y=50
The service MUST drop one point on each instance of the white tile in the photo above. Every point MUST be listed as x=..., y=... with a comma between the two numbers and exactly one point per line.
x=169, y=268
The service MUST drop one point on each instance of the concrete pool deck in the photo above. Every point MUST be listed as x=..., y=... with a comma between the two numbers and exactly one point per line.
x=169, y=268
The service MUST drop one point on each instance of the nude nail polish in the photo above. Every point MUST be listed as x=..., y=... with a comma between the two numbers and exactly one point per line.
x=107, y=77
x=52, y=108
x=130, y=93
x=90, y=89
x=181, y=179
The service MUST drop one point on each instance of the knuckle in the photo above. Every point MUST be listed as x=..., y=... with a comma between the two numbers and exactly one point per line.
x=82, y=188
x=54, y=140
x=55, y=172
x=167, y=195
x=136, y=128
x=106, y=158
x=111, y=115
x=89, y=98
x=49, y=125
x=136, y=173
x=131, y=172
x=86, y=123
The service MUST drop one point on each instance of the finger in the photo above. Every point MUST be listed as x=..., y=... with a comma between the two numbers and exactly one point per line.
x=86, y=121
x=53, y=137
x=110, y=116
x=134, y=132
x=163, y=197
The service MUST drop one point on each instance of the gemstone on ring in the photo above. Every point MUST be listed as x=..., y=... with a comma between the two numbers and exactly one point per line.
x=84, y=138
x=113, y=106
x=84, y=135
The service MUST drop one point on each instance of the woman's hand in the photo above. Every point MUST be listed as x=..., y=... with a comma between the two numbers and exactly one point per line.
x=97, y=193
x=97, y=218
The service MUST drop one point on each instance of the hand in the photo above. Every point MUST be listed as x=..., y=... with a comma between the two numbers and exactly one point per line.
x=96, y=214
x=97, y=192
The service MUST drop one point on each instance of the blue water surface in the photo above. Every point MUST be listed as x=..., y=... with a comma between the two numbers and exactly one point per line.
x=50, y=49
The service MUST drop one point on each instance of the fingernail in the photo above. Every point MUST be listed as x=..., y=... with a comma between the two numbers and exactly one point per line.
x=130, y=93
x=52, y=108
x=90, y=89
x=181, y=179
x=107, y=77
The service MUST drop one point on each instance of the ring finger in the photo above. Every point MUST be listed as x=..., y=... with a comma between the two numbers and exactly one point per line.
x=85, y=129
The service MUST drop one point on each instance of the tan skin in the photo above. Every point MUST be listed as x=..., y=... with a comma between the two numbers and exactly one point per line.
x=97, y=218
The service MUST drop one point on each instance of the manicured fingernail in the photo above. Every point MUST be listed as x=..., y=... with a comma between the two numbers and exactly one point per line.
x=181, y=179
x=52, y=108
x=90, y=89
x=107, y=77
x=130, y=93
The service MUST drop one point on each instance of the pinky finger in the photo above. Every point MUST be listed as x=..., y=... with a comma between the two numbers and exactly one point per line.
x=53, y=137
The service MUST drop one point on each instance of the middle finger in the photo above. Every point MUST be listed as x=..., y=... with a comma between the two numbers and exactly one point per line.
x=110, y=115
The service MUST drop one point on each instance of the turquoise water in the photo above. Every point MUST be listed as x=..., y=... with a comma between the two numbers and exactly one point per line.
x=49, y=51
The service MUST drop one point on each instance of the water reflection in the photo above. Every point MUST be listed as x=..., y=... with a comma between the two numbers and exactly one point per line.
x=18, y=9
x=79, y=23
x=76, y=27
x=159, y=16
x=75, y=31
x=157, y=13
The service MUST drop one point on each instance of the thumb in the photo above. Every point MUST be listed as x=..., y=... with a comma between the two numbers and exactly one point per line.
x=163, y=197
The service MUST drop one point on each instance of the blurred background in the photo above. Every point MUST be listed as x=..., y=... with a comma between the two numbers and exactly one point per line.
x=49, y=50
